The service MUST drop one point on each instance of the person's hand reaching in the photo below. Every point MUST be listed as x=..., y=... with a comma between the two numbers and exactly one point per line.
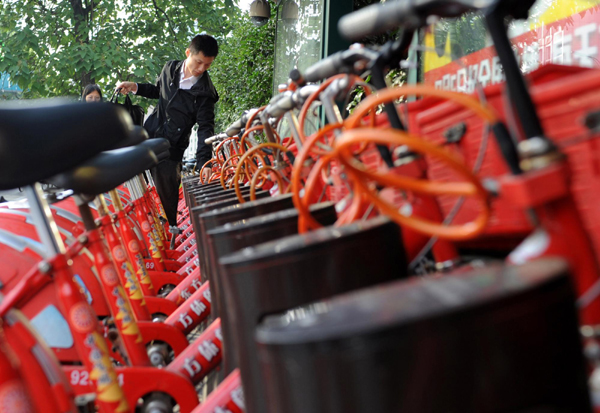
x=127, y=87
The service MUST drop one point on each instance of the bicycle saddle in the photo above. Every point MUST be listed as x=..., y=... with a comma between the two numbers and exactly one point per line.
x=137, y=136
x=107, y=170
x=40, y=139
x=160, y=147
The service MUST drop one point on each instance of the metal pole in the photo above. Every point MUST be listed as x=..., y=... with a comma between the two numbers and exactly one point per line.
x=44, y=222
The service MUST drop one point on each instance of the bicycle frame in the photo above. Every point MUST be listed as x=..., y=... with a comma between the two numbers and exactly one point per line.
x=86, y=330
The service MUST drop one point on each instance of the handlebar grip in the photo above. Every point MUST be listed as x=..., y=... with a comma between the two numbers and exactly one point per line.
x=220, y=136
x=281, y=105
x=377, y=19
x=325, y=68
x=234, y=128
x=247, y=114
x=239, y=124
x=303, y=93
x=297, y=77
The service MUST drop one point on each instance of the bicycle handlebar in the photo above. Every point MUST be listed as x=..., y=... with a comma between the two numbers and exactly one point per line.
x=338, y=62
x=376, y=19
x=411, y=14
x=219, y=137
x=303, y=93
x=284, y=102
x=239, y=124
x=235, y=128
x=280, y=104
x=327, y=67
x=297, y=77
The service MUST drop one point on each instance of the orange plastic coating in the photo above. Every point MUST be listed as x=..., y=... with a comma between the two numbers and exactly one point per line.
x=258, y=173
x=304, y=214
x=204, y=168
x=309, y=101
x=218, y=149
x=246, y=134
x=224, y=169
x=358, y=174
x=387, y=95
x=243, y=160
x=344, y=149
x=254, y=115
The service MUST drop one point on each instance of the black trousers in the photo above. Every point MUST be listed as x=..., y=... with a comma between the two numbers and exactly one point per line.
x=167, y=177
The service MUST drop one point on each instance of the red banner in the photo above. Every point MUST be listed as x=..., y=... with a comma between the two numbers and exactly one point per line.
x=574, y=40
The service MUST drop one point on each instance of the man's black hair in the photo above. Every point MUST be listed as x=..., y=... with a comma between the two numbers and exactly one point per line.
x=205, y=44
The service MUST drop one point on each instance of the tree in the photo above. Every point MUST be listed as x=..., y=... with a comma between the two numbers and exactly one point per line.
x=56, y=47
x=243, y=72
x=467, y=35
x=395, y=77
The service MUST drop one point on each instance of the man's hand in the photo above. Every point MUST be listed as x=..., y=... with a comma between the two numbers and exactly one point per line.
x=198, y=168
x=127, y=87
x=205, y=175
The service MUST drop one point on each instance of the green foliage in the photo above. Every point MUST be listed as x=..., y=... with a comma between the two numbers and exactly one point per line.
x=243, y=72
x=55, y=48
x=467, y=35
x=394, y=78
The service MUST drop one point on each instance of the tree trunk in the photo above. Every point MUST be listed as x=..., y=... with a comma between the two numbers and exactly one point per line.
x=80, y=20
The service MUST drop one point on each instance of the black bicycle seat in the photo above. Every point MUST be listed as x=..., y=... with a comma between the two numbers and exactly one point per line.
x=160, y=147
x=137, y=136
x=107, y=170
x=40, y=139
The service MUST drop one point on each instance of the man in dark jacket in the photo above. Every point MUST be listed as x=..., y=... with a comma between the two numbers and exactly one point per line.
x=186, y=96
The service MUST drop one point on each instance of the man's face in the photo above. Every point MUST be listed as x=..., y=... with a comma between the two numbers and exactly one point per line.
x=197, y=64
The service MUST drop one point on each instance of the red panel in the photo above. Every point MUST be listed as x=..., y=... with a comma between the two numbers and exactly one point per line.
x=563, y=96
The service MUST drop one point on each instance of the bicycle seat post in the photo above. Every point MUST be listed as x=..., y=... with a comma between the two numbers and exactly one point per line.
x=292, y=120
x=44, y=222
x=71, y=300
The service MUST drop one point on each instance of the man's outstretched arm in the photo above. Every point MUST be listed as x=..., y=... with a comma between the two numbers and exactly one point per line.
x=206, y=128
x=147, y=90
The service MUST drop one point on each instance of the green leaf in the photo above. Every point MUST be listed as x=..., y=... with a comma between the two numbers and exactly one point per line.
x=131, y=38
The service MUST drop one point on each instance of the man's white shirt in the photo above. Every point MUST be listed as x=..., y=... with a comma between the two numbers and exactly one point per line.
x=185, y=83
